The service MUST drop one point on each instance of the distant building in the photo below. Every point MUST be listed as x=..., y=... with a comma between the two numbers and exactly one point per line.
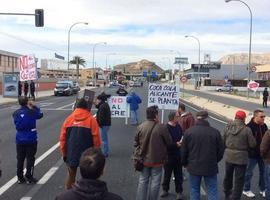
x=263, y=72
x=55, y=64
x=8, y=62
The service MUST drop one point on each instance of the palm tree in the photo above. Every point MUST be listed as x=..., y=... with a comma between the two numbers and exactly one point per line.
x=77, y=60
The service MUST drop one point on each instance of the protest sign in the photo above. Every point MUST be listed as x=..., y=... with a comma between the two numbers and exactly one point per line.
x=118, y=106
x=28, y=68
x=165, y=96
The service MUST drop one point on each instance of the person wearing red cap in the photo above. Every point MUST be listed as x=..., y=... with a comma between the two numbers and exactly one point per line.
x=238, y=139
x=258, y=128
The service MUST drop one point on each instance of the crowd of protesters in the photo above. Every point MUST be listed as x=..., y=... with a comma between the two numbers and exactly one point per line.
x=25, y=89
x=160, y=150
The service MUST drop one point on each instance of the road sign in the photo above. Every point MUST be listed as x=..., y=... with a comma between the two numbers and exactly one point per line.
x=183, y=79
x=206, y=66
x=253, y=69
x=252, y=85
x=181, y=60
x=145, y=74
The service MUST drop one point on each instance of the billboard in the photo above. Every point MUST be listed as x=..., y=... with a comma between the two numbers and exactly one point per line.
x=10, y=84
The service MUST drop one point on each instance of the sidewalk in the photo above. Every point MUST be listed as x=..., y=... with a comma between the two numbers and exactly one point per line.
x=39, y=95
x=220, y=109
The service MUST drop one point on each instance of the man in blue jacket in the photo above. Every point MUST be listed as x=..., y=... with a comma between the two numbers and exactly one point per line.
x=26, y=138
x=134, y=100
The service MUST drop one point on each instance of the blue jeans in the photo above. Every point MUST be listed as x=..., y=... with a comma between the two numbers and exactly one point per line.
x=267, y=181
x=149, y=177
x=133, y=117
x=195, y=187
x=249, y=173
x=104, y=139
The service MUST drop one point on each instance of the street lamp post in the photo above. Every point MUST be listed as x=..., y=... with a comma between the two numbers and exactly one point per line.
x=94, y=47
x=250, y=38
x=199, y=61
x=169, y=65
x=179, y=54
x=85, y=23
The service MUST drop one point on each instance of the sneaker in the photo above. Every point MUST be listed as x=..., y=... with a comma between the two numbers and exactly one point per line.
x=31, y=180
x=179, y=196
x=262, y=193
x=249, y=194
x=21, y=180
x=164, y=193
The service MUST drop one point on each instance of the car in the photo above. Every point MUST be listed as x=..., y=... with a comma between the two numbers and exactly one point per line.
x=89, y=83
x=131, y=83
x=225, y=88
x=66, y=88
x=113, y=84
x=137, y=84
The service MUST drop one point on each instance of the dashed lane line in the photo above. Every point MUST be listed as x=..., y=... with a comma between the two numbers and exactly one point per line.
x=12, y=181
x=42, y=181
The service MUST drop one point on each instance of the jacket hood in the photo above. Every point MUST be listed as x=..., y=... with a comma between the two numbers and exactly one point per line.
x=90, y=189
x=236, y=126
x=80, y=114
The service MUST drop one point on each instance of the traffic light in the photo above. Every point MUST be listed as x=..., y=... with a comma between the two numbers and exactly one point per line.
x=39, y=17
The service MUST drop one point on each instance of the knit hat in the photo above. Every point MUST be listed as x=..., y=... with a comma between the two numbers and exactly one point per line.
x=240, y=114
x=103, y=96
x=202, y=114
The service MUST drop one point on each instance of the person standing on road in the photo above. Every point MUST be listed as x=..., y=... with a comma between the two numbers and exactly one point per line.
x=19, y=88
x=104, y=120
x=32, y=89
x=121, y=91
x=265, y=97
x=91, y=165
x=78, y=132
x=202, y=149
x=265, y=153
x=26, y=138
x=174, y=158
x=186, y=120
x=25, y=88
x=258, y=128
x=154, y=138
x=134, y=100
x=238, y=139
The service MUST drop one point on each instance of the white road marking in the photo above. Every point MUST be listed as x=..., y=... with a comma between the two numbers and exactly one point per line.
x=42, y=181
x=68, y=105
x=45, y=104
x=12, y=181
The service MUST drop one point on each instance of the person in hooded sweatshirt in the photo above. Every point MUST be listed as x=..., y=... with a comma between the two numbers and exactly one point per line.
x=79, y=132
x=104, y=120
x=89, y=187
x=258, y=128
x=238, y=139
x=134, y=100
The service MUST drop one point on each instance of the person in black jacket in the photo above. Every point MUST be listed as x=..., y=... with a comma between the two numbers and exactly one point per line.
x=265, y=97
x=174, y=158
x=91, y=165
x=104, y=120
x=121, y=91
x=19, y=88
x=258, y=128
x=32, y=90
x=25, y=88
x=202, y=148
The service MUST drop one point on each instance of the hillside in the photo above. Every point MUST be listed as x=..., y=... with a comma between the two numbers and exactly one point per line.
x=242, y=58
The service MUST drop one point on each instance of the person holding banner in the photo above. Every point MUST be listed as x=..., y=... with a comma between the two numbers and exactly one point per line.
x=25, y=88
x=134, y=100
x=32, y=89
x=19, y=88
x=104, y=120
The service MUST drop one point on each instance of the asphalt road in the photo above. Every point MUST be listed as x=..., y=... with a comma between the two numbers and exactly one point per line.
x=119, y=173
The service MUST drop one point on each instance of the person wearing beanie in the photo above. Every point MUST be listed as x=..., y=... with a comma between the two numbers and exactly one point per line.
x=238, y=139
x=258, y=128
x=104, y=120
x=79, y=131
x=202, y=149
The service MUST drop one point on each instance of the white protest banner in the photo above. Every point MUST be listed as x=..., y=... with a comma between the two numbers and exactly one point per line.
x=27, y=67
x=118, y=106
x=165, y=96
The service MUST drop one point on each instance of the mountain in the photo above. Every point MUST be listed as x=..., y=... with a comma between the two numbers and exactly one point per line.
x=138, y=67
x=242, y=58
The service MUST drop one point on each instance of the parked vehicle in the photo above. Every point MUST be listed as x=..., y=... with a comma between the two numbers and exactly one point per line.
x=225, y=88
x=65, y=88
x=89, y=83
x=113, y=84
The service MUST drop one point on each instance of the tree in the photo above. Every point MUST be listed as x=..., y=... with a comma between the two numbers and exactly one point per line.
x=77, y=60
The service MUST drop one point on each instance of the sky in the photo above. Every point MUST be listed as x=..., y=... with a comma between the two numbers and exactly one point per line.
x=135, y=29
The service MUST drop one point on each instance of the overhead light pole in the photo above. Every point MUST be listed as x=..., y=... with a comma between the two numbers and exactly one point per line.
x=199, y=57
x=85, y=23
x=250, y=39
x=94, y=66
x=169, y=65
